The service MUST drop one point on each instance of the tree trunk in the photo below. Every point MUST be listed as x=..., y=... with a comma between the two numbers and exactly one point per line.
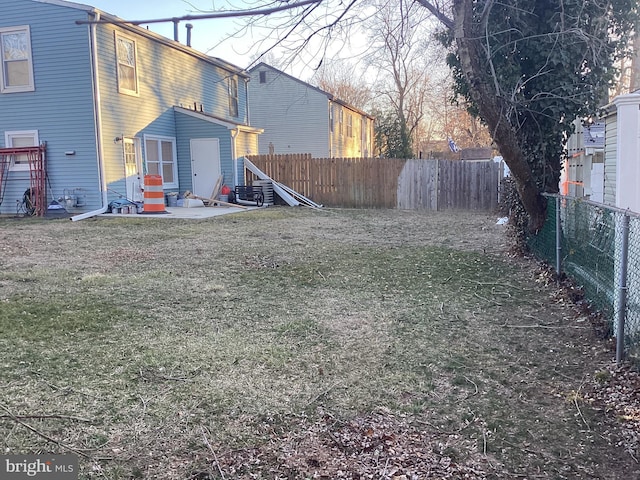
x=493, y=110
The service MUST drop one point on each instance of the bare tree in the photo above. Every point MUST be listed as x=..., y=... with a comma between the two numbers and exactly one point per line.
x=402, y=58
x=340, y=78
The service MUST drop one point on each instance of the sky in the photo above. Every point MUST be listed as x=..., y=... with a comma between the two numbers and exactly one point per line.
x=205, y=36
x=214, y=36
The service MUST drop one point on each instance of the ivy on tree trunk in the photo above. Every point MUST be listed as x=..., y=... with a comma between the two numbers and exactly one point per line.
x=528, y=69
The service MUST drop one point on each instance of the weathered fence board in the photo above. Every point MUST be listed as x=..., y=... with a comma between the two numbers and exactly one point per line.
x=387, y=182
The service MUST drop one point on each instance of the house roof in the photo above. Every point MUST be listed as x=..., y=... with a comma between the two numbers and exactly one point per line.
x=106, y=17
x=330, y=96
x=207, y=117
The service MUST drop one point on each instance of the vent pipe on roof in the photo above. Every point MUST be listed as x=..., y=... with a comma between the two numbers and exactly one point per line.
x=189, y=27
x=175, y=29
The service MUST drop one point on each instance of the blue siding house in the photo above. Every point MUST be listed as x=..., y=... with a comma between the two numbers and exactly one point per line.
x=110, y=102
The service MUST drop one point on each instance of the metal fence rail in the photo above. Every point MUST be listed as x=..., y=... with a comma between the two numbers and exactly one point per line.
x=599, y=247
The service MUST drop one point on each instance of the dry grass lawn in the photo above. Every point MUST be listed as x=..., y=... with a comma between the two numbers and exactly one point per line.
x=289, y=343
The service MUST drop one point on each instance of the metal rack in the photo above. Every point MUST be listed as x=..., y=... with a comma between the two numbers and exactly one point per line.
x=37, y=175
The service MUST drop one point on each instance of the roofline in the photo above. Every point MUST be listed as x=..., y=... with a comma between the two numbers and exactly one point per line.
x=351, y=107
x=218, y=62
x=65, y=3
x=330, y=96
x=218, y=121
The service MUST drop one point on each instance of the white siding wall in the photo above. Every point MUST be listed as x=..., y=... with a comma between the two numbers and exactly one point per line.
x=628, y=152
x=610, y=155
x=295, y=116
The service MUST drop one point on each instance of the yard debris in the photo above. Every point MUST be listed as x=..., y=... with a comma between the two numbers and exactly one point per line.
x=378, y=445
x=208, y=201
x=289, y=195
x=615, y=390
x=276, y=187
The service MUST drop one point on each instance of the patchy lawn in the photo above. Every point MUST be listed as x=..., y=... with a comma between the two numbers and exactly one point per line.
x=289, y=343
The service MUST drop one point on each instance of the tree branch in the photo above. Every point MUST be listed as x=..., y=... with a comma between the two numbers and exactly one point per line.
x=446, y=21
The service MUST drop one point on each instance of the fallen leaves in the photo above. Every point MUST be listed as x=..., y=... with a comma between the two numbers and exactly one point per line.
x=378, y=445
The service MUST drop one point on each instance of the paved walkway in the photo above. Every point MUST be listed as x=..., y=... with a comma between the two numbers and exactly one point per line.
x=181, y=212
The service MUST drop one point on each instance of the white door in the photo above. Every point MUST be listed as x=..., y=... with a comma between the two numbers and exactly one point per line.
x=133, y=169
x=205, y=165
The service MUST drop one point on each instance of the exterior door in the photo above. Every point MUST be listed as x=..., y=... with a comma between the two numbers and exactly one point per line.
x=205, y=165
x=133, y=169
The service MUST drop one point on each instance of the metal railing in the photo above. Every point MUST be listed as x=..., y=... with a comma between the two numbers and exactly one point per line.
x=599, y=248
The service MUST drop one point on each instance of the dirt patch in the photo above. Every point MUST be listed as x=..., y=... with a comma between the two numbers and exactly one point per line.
x=292, y=343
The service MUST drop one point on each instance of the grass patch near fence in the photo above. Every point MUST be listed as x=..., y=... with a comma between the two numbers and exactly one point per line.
x=288, y=343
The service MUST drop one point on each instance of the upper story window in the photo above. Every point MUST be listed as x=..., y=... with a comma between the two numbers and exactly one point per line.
x=17, y=139
x=263, y=77
x=340, y=120
x=17, y=64
x=233, y=96
x=349, y=125
x=127, y=65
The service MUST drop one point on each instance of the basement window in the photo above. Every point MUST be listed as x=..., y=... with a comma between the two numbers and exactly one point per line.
x=17, y=139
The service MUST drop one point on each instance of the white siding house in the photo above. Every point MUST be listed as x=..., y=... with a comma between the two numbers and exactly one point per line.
x=300, y=118
x=605, y=167
x=622, y=152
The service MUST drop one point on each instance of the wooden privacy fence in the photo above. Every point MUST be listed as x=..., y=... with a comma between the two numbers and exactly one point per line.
x=387, y=182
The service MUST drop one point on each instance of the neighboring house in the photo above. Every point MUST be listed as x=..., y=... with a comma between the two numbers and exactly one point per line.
x=112, y=102
x=300, y=118
x=604, y=158
x=583, y=170
x=622, y=152
x=476, y=154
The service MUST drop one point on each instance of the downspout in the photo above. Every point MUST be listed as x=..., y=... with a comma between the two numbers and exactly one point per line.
x=246, y=100
x=234, y=135
x=97, y=124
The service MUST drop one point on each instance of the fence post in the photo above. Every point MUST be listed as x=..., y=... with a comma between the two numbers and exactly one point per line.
x=622, y=289
x=558, y=240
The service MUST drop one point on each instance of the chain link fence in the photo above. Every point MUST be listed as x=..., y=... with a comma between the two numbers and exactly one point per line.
x=599, y=247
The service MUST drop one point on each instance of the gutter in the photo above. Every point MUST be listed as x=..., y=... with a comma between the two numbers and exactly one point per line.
x=98, y=126
x=234, y=134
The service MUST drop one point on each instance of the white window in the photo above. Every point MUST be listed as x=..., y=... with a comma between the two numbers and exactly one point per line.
x=17, y=65
x=17, y=139
x=340, y=121
x=233, y=96
x=161, y=159
x=127, y=65
x=349, y=125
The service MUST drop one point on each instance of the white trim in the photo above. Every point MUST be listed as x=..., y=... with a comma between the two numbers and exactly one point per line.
x=160, y=138
x=217, y=121
x=64, y=3
x=117, y=36
x=19, y=88
x=8, y=141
